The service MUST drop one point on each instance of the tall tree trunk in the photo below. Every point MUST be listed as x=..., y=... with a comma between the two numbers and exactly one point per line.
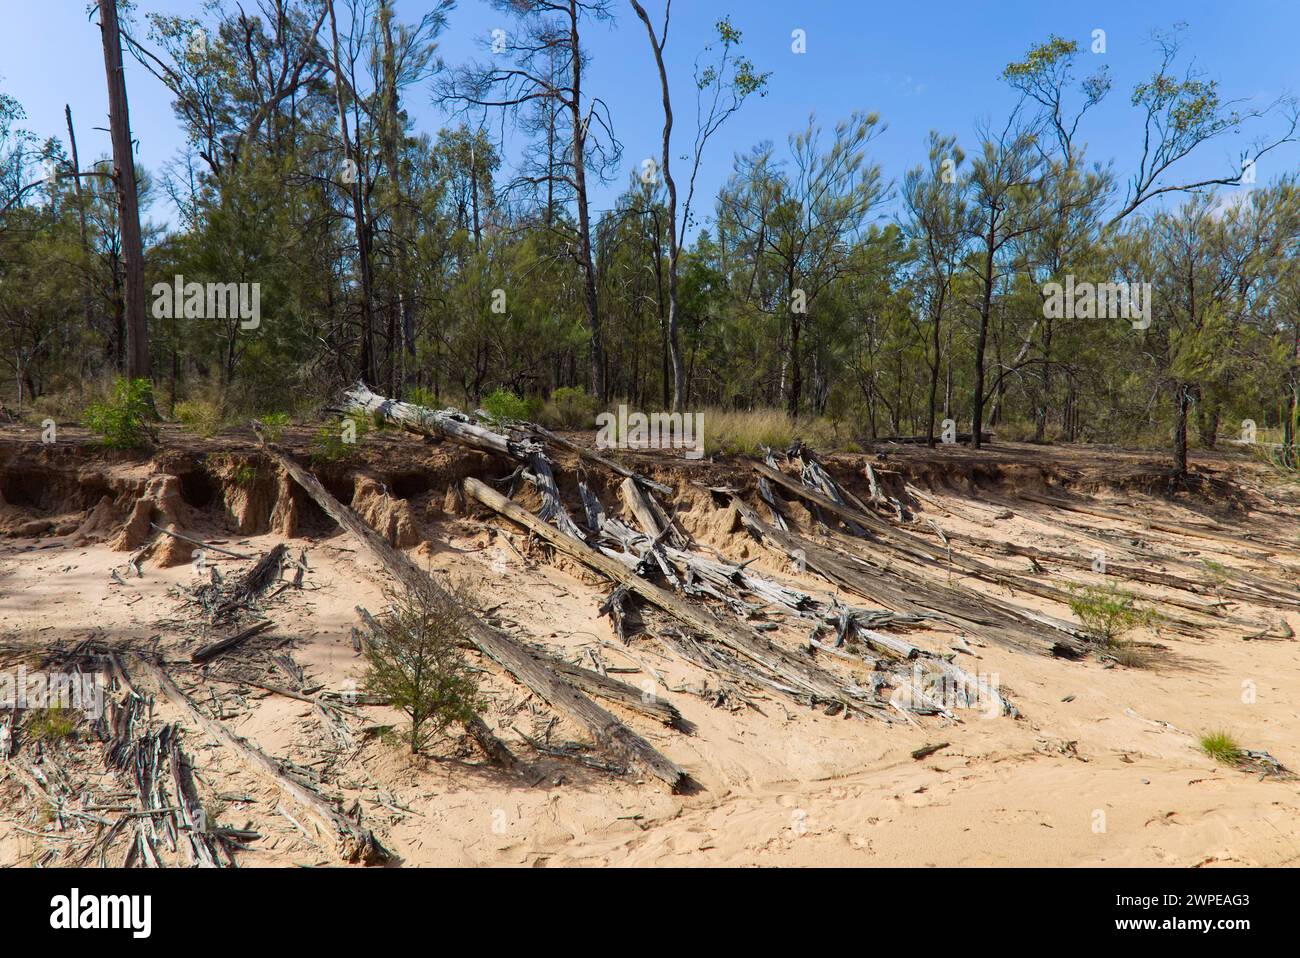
x=368, y=373
x=403, y=309
x=584, y=219
x=986, y=305
x=119, y=122
x=674, y=253
x=934, y=367
x=87, y=289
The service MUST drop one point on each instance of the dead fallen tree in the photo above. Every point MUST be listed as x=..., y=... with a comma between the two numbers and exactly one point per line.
x=1014, y=623
x=456, y=426
x=526, y=668
x=453, y=425
x=808, y=679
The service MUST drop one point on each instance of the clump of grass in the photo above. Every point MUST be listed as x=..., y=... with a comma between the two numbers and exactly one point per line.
x=423, y=396
x=203, y=417
x=122, y=419
x=569, y=408
x=1108, y=614
x=1222, y=747
x=50, y=725
x=414, y=660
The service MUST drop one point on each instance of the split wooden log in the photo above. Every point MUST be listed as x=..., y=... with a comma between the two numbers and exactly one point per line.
x=554, y=689
x=821, y=685
x=257, y=580
x=352, y=842
x=652, y=520
x=214, y=649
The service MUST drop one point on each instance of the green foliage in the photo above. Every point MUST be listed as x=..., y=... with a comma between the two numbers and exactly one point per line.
x=504, y=406
x=337, y=441
x=1108, y=613
x=122, y=420
x=1222, y=747
x=414, y=660
x=274, y=425
x=51, y=725
x=569, y=408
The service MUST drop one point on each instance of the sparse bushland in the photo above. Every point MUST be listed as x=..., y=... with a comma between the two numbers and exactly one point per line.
x=1222, y=747
x=415, y=660
x=569, y=408
x=122, y=419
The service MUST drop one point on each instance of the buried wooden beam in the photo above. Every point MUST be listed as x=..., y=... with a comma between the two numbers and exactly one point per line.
x=807, y=678
x=526, y=668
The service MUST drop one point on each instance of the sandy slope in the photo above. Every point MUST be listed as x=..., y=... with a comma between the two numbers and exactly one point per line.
x=1113, y=776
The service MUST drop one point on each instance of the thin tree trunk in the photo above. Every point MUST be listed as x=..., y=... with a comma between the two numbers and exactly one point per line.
x=584, y=219
x=367, y=359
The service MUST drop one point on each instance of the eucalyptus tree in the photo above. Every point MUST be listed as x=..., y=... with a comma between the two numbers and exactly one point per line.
x=545, y=63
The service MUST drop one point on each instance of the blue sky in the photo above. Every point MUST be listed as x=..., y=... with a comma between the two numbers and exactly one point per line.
x=922, y=66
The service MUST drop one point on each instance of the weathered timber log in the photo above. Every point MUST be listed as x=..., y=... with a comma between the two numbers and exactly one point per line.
x=554, y=689
x=814, y=681
x=996, y=623
x=456, y=426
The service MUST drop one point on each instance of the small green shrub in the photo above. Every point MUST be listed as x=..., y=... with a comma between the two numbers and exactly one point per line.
x=1222, y=747
x=1109, y=613
x=331, y=442
x=415, y=660
x=122, y=420
x=274, y=424
x=504, y=406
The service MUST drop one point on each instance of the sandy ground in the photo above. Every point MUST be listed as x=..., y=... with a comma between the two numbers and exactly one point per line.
x=1101, y=768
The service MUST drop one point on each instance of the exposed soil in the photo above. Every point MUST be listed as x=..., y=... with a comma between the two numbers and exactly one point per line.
x=1101, y=765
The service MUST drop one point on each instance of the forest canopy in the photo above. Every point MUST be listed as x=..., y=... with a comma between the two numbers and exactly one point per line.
x=1017, y=285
